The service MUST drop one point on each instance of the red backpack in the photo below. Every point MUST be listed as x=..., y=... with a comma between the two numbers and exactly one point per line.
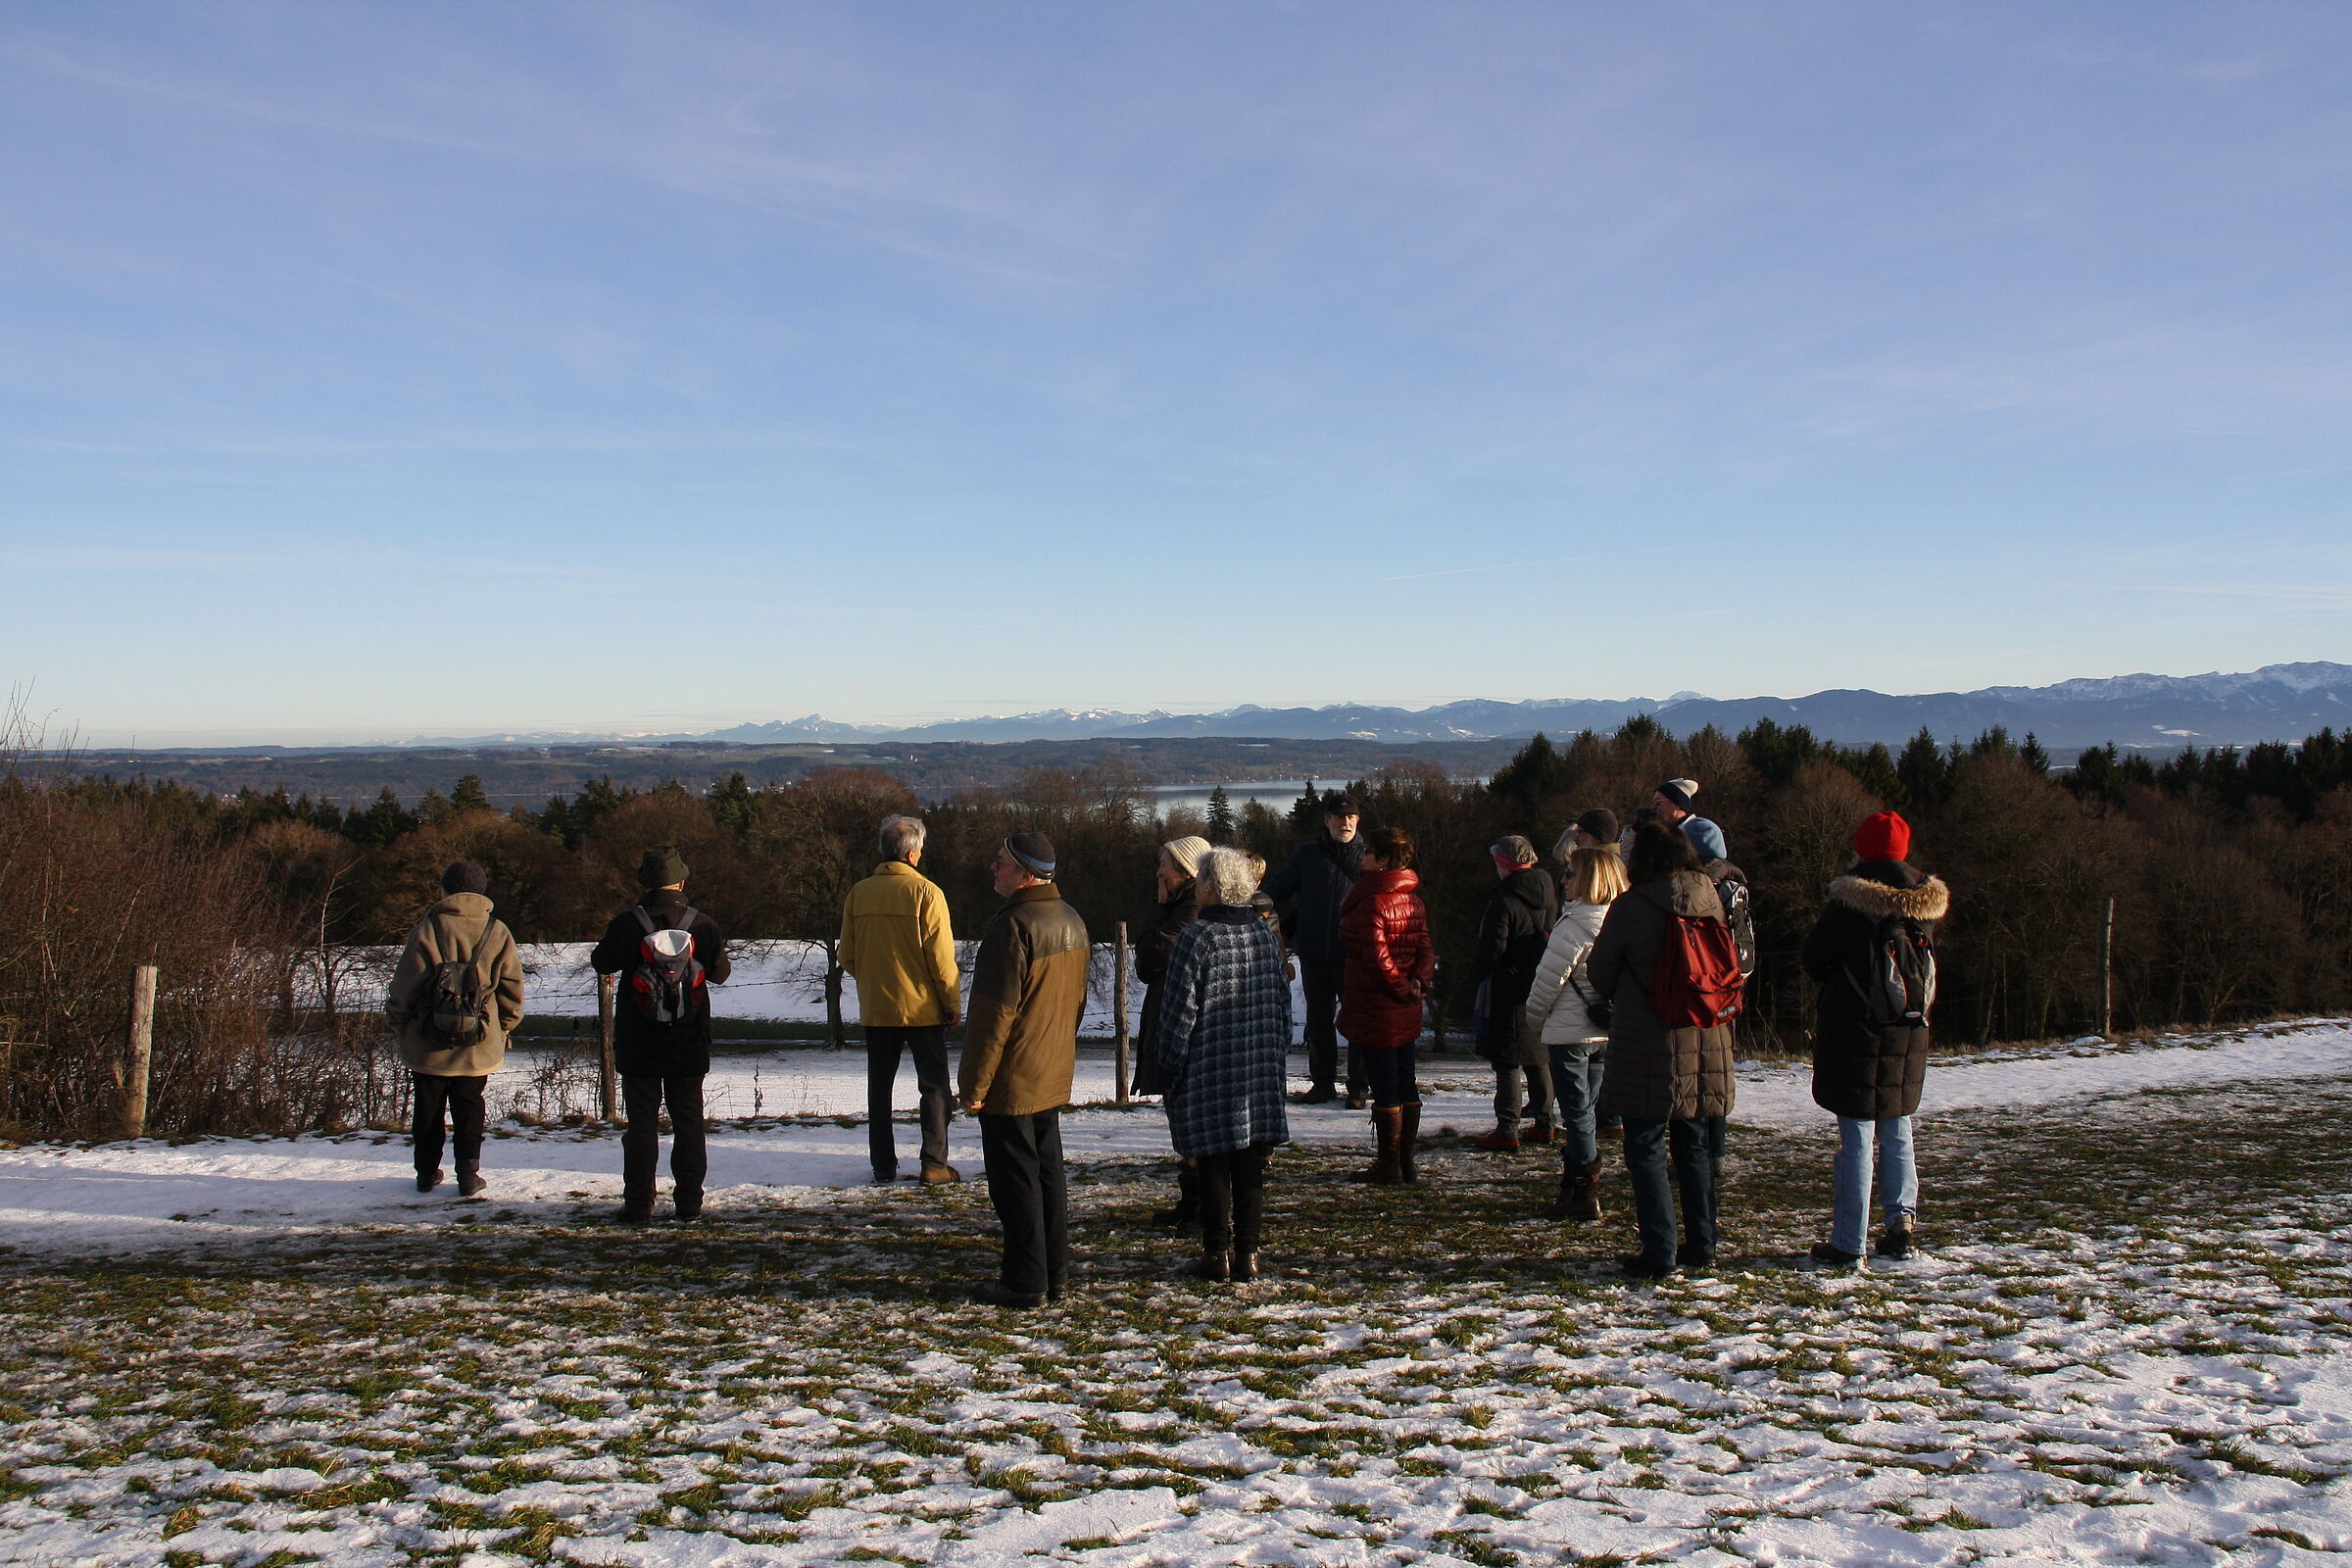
x=1697, y=982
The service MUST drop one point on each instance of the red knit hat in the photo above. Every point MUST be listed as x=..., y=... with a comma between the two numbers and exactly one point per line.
x=1882, y=836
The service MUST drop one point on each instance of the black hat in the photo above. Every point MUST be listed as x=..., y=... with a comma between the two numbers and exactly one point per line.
x=1339, y=802
x=1035, y=852
x=465, y=876
x=1599, y=822
x=662, y=867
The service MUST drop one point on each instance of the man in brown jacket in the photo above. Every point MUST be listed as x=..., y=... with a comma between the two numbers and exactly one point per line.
x=456, y=995
x=1021, y=1051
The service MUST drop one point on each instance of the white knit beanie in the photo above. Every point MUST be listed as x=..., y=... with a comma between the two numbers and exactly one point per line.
x=1186, y=853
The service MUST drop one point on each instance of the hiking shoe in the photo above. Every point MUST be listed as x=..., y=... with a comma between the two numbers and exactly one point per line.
x=1642, y=1266
x=1834, y=1257
x=885, y=1173
x=1539, y=1134
x=427, y=1180
x=996, y=1293
x=470, y=1184
x=1502, y=1140
x=1896, y=1240
x=941, y=1175
x=1319, y=1094
x=631, y=1215
x=686, y=1213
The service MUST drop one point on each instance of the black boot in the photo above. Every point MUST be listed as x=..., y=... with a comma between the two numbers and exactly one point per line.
x=427, y=1180
x=1186, y=1215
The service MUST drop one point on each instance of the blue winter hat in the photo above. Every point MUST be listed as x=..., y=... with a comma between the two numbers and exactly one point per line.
x=1705, y=837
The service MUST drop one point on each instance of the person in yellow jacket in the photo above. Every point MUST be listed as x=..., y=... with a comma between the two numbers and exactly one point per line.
x=896, y=943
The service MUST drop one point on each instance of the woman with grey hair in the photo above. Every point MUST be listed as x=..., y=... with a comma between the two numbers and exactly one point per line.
x=1224, y=1046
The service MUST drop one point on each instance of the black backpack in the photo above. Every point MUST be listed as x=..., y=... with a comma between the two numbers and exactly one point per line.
x=665, y=983
x=1741, y=919
x=1896, y=978
x=454, y=1003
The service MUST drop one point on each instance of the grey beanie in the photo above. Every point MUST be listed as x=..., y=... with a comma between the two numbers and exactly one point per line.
x=465, y=876
x=1033, y=851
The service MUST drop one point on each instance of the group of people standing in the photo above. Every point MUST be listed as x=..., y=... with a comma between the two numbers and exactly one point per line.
x=1584, y=982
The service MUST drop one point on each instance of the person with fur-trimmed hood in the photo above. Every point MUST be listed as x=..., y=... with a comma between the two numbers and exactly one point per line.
x=1873, y=953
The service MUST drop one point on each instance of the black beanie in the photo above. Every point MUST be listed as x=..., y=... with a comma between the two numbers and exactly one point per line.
x=1673, y=792
x=662, y=867
x=465, y=876
x=1599, y=822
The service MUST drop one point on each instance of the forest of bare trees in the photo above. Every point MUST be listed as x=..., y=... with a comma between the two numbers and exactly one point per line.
x=2231, y=876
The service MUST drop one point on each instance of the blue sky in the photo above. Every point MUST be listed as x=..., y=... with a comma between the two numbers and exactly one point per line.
x=370, y=371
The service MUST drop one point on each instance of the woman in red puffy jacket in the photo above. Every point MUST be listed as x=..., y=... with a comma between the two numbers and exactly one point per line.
x=1390, y=962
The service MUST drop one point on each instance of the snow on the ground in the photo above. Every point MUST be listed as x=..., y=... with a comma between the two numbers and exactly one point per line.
x=2136, y=1383
x=780, y=981
x=152, y=1194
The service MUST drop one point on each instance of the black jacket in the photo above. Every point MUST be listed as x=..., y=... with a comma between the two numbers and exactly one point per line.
x=1859, y=1069
x=1167, y=923
x=1318, y=874
x=642, y=1048
x=1512, y=933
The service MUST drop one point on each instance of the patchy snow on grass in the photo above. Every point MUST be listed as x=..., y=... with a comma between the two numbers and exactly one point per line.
x=2127, y=1340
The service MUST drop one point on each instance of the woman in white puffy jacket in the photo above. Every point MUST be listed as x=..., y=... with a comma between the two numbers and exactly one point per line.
x=1562, y=1004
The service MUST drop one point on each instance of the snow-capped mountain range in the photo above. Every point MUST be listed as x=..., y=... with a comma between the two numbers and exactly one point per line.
x=2157, y=713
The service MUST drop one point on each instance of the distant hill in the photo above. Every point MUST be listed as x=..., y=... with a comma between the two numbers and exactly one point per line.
x=2147, y=712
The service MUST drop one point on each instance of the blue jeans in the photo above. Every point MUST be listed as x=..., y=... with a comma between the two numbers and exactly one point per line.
x=1576, y=1079
x=1899, y=1178
x=1697, y=1143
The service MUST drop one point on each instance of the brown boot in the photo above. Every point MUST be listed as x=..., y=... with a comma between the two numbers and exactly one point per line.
x=1564, y=1206
x=1588, y=1192
x=1408, y=1133
x=1384, y=1170
x=1503, y=1140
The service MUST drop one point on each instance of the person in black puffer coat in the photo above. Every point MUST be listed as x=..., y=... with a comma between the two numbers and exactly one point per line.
x=1867, y=1071
x=1511, y=936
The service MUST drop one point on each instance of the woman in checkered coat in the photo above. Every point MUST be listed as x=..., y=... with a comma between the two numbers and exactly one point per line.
x=1224, y=1046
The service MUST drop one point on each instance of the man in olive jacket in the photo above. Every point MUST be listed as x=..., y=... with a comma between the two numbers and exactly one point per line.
x=897, y=945
x=447, y=1073
x=1020, y=1053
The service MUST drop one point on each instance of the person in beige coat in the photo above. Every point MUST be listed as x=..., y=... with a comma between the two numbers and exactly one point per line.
x=456, y=995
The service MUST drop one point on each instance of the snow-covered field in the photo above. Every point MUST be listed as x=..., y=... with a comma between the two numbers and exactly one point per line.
x=772, y=981
x=2129, y=1340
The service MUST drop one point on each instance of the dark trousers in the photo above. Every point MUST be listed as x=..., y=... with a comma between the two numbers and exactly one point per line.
x=463, y=1097
x=1511, y=1098
x=1026, y=1183
x=1696, y=1145
x=1388, y=1077
x=641, y=1139
x=1320, y=980
x=935, y=1095
x=1233, y=1198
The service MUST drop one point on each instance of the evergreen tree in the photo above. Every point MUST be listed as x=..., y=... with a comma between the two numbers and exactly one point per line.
x=2032, y=756
x=1306, y=812
x=468, y=794
x=1220, y=817
x=435, y=807
x=730, y=803
x=1531, y=776
x=1925, y=772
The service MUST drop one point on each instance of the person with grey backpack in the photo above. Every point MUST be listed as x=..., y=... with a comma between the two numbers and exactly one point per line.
x=667, y=955
x=1872, y=952
x=456, y=995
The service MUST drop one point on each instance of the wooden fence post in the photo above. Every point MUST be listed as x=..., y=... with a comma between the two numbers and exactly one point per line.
x=608, y=1078
x=142, y=1051
x=2107, y=975
x=1118, y=1005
